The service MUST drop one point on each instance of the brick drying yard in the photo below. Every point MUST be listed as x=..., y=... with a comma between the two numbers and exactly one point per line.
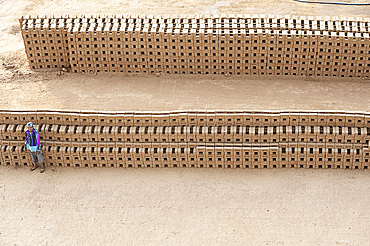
x=112, y=206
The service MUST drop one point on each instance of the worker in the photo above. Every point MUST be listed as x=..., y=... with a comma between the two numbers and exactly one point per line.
x=33, y=145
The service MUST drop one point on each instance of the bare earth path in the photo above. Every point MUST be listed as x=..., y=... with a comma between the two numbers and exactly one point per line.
x=67, y=206
x=149, y=93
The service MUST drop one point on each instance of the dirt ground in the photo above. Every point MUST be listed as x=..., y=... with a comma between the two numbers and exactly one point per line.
x=68, y=206
x=104, y=206
x=149, y=93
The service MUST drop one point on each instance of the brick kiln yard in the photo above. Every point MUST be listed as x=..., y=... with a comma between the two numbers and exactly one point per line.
x=95, y=206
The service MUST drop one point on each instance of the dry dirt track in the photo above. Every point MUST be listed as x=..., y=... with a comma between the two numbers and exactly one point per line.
x=148, y=93
x=67, y=206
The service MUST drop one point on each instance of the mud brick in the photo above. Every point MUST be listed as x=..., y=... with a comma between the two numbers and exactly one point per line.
x=102, y=155
x=19, y=133
x=312, y=155
x=359, y=119
x=153, y=134
x=302, y=155
x=75, y=157
x=360, y=135
x=339, y=134
x=181, y=134
x=14, y=154
x=157, y=158
x=348, y=155
x=130, y=156
x=218, y=134
x=111, y=156
x=210, y=134
x=228, y=155
x=366, y=158
x=294, y=118
x=93, y=119
x=107, y=119
x=265, y=157
x=165, y=154
x=350, y=119
x=323, y=118
x=237, y=133
x=192, y=118
x=202, y=161
x=84, y=119
x=3, y=132
x=174, y=155
x=357, y=156
x=220, y=118
x=48, y=153
x=312, y=132
x=248, y=134
x=284, y=153
x=256, y=156
x=191, y=155
x=202, y=134
x=143, y=119
x=16, y=118
x=228, y=134
x=72, y=134
x=147, y=155
x=321, y=155
x=219, y=155
x=349, y=134
x=211, y=118
x=161, y=119
x=173, y=134
x=305, y=118
x=256, y=133
x=120, y=152
x=238, y=155
x=340, y=118
x=293, y=132
x=24, y=156
x=367, y=120
x=201, y=118
x=67, y=156
x=71, y=119
x=191, y=133
x=339, y=151
x=59, y=118
x=6, y=117
x=136, y=133
x=57, y=155
x=128, y=133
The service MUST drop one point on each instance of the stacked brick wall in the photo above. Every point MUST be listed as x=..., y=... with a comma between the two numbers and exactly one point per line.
x=240, y=44
x=191, y=139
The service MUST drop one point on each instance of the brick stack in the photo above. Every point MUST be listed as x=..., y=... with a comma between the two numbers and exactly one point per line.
x=262, y=139
x=218, y=44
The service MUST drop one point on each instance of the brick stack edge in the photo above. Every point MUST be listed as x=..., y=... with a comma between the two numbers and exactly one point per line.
x=191, y=139
x=218, y=44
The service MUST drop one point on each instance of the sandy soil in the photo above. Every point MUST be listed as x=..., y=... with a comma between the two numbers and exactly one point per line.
x=67, y=206
x=149, y=93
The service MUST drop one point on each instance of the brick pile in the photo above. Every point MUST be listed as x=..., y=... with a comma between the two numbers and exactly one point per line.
x=218, y=44
x=195, y=139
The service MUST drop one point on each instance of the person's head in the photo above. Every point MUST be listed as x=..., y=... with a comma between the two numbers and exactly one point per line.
x=30, y=126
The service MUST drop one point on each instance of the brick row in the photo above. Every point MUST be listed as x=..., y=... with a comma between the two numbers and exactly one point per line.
x=191, y=134
x=249, y=45
x=189, y=118
x=182, y=155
